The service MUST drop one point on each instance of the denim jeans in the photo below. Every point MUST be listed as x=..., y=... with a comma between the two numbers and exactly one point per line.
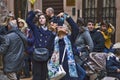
x=81, y=71
x=26, y=68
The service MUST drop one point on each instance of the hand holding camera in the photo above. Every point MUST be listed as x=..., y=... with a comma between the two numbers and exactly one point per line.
x=38, y=12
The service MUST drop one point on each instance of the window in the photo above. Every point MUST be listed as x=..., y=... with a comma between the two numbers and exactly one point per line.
x=20, y=8
x=100, y=10
x=109, y=11
x=90, y=10
x=70, y=2
x=105, y=10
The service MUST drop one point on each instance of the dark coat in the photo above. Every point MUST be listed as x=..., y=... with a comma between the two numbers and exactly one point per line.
x=42, y=39
x=3, y=30
x=30, y=43
x=98, y=40
x=61, y=42
x=112, y=65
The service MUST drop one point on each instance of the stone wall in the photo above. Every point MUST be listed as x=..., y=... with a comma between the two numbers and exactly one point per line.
x=117, y=37
x=78, y=6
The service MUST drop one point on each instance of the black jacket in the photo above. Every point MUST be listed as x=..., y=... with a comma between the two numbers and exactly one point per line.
x=98, y=40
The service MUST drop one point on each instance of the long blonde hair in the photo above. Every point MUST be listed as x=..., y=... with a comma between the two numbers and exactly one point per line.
x=25, y=24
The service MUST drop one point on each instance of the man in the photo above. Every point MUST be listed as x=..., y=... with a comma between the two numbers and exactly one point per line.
x=11, y=48
x=53, y=18
x=97, y=37
x=50, y=12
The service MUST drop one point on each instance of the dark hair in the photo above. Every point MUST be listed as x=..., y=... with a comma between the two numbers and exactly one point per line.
x=57, y=20
x=104, y=23
x=38, y=23
x=80, y=21
x=89, y=20
x=81, y=24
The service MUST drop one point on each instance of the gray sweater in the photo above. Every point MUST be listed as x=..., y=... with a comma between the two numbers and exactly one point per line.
x=84, y=39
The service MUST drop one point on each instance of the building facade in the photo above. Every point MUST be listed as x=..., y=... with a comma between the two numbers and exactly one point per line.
x=97, y=10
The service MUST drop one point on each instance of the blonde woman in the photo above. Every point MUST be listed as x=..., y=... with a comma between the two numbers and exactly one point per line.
x=62, y=41
x=22, y=25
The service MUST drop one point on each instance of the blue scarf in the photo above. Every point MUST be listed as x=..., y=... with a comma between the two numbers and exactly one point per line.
x=71, y=61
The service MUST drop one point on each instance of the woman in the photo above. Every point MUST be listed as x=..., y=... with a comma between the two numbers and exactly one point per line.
x=62, y=40
x=22, y=25
x=42, y=37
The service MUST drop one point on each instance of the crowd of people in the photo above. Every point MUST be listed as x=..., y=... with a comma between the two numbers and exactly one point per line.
x=55, y=32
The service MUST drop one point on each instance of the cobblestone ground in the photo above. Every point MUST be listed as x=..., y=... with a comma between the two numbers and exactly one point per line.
x=4, y=77
x=26, y=79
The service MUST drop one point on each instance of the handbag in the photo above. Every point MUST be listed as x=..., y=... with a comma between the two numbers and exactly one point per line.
x=56, y=73
x=40, y=54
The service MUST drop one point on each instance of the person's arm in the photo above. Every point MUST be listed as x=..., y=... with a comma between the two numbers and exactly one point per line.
x=74, y=28
x=30, y=38
x=73, y=25
x=4, y=43
x=111, y=29
x=88, y=40
x=50, y=45
x=110, y=65
x=30, y=19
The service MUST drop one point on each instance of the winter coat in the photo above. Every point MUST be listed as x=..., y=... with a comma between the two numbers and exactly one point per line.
x=98, y=41
x=84, y=39
x=30, y=42
x=42, y=37
x=12, y=49
x=72, y=37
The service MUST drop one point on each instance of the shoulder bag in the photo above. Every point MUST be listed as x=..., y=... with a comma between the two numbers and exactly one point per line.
x=40, y=54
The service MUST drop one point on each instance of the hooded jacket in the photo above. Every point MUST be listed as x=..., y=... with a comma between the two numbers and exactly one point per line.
x=12, y=49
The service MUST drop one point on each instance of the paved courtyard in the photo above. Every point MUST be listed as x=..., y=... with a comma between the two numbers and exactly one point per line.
x=4, y=77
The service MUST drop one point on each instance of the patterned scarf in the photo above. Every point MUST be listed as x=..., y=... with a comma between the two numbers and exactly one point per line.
x=71, y=61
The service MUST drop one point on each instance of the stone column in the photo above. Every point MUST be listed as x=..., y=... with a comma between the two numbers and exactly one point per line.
x=117, y=36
